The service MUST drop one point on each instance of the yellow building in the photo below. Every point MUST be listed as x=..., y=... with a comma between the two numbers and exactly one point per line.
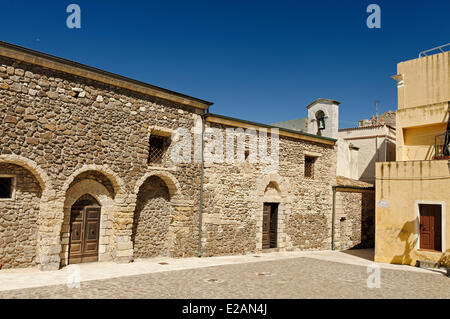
x=413, y=193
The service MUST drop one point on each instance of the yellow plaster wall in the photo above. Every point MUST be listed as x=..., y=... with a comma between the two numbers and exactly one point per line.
x=418, y=141
x=423, y=103
x=402, y=185
x=425, y=81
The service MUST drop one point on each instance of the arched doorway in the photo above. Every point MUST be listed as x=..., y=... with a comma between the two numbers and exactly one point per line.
x=102, y=192
x=152, y=219
x=20, y=200
x=84, y=230
x=270, y=217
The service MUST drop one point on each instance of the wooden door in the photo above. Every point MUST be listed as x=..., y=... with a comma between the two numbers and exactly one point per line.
x=266, y=227
x=273, y=225
x=84, y=234
x=430, y=227
x=270, y=225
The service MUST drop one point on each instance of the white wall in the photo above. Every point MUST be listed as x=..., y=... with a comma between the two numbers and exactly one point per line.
x=331, y=110
x=347, y=160
x=372, y=145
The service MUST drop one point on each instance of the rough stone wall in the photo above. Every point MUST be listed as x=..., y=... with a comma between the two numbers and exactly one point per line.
x=72, y=130
x=309, y=206
x=62, y=123
x=235, y=194
x=355, y=220
x=368, y=221
x=19, y=220
x=152, y=219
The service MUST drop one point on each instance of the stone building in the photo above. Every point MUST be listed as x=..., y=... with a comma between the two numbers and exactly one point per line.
x=86, y=173
x=387, y=118
x=357, y=151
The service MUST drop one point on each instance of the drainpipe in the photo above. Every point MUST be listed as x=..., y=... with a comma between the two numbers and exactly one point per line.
x=333, y=218
x=376, y=149
x=202, y=175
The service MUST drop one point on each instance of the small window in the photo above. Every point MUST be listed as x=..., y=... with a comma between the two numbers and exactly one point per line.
x=158, y=146
x=6, y=187
x=309, y=166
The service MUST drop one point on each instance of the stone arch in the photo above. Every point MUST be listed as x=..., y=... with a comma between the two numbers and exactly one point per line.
x=19, y=217
x=47, y=239
x=91, y=187
x=320, y=114
x=322, y=109
x=272, y=189
x=87, y=198
x=116, y=181
x=271, y=181
x=152, y=218
x=54, y=232
x=40, y=175
x=108, y=207
x=169, y=179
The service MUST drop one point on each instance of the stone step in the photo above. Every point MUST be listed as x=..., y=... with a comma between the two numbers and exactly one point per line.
x=271, y=250
x=428, y=264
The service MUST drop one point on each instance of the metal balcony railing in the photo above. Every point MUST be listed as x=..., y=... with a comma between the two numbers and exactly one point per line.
x=442, y=146
x=439, y=49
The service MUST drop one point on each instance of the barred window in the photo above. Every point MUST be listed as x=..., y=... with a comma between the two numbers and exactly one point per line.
x=309, y=166
x=6, y=187
x=158, y=146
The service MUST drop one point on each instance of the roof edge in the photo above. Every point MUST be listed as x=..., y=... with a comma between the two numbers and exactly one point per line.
x=323, y=100
x=289, y=133
x=71, y=67
x=366, y=127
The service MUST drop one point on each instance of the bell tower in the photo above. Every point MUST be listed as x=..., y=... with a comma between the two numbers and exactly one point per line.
x=323, y=118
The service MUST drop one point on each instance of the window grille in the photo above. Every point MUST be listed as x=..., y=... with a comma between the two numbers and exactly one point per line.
x=309, y=167
x=158, y=145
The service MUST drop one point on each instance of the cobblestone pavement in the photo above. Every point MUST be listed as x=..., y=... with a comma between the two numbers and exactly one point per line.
x=286, y=278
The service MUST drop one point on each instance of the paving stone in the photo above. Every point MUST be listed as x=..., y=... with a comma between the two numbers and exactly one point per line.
x=289, y=278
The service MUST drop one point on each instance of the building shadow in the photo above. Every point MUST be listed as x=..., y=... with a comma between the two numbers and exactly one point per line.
x=367, y=253
x=406, y=235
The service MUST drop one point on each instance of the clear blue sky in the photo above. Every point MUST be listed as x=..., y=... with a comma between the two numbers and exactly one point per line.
x=257, y=60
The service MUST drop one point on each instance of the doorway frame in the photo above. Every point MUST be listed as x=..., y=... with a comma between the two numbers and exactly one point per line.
x=272, y=204
x=99, y=207
x=417, y=224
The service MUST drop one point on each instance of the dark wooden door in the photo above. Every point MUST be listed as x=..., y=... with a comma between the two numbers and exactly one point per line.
x=273, y=225
x=270, y=225
x=430, y=227
x=266, y=227
x=84, y=234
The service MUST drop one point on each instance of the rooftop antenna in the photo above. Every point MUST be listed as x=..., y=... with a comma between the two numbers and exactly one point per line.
x=377, y=103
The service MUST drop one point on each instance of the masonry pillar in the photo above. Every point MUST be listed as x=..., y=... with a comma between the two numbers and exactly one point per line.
x=49, y=242
x=122, y=226
x=180, y=229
